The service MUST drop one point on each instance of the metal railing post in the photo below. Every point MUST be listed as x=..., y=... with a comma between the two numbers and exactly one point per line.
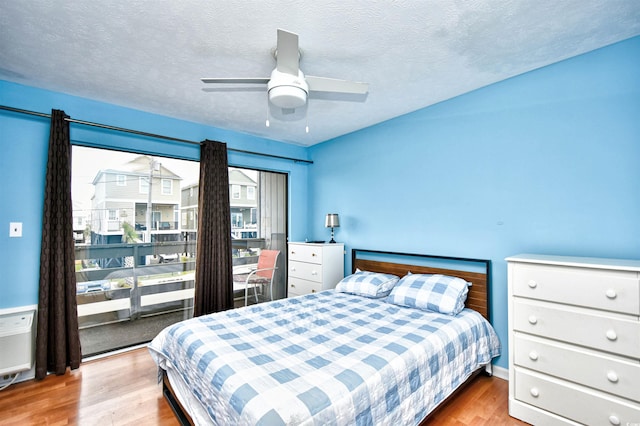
x=135, y=290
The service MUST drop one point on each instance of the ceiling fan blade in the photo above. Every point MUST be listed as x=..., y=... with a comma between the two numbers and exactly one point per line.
x=236, y=80
x=324, y=84
x=287, y=53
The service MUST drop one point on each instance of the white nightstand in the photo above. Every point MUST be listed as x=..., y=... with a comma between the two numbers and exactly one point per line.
x=314, y=267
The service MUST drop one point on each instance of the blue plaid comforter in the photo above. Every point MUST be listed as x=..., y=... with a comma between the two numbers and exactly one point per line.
x=328, y=358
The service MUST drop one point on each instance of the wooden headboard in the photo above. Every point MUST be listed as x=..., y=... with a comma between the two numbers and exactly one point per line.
x=478, y=297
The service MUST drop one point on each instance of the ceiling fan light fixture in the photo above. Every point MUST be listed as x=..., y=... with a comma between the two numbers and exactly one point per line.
x=287, y=87
x=289, y=97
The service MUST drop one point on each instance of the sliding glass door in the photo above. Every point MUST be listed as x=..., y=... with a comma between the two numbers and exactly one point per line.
x=135, y=228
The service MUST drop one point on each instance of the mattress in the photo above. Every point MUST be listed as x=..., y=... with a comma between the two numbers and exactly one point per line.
x=323, y=358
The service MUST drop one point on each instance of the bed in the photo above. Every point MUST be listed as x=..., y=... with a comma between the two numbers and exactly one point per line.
x=341, y=357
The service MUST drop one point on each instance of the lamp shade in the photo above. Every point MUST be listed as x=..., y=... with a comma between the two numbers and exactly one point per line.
x=332, y=221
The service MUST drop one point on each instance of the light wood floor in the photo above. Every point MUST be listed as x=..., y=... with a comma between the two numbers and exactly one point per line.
x=123, y=390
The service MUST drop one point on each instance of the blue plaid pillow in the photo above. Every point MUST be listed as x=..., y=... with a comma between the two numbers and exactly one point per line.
x=437, y=293
x=367, y=284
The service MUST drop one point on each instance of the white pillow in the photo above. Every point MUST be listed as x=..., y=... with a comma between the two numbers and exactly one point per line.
x=367, y=284
x=429, y=292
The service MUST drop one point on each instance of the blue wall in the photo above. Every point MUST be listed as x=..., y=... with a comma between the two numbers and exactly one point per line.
x=546, y=162
x=23, y=159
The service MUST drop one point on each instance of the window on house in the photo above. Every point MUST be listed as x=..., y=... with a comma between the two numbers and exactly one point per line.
x=135, y=271
x=251, y=192
x=121, y=180
x=236, y=220
x=167, y=186
x=143, y=184
x=235, y=192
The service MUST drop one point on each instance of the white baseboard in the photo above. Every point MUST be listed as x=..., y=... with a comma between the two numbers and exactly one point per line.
x=501, y=373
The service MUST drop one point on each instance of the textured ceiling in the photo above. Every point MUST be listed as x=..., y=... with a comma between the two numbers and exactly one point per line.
x=150, y=55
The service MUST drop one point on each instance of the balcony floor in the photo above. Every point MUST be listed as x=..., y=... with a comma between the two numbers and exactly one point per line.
x=110, y=337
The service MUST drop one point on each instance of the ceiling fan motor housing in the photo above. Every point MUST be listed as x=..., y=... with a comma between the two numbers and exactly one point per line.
x=287, y=90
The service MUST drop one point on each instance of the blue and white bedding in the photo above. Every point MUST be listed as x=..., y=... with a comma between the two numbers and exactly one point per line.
x=326, y=358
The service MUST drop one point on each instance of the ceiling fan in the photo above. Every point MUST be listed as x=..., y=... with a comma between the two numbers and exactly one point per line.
x=288, y=88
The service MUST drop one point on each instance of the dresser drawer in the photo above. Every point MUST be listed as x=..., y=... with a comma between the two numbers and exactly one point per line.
x=298, y=287
x=577, y=325
x=306, y=271
x=593, y=369
x=617, y=291
x=574, y=402
x=309, y=253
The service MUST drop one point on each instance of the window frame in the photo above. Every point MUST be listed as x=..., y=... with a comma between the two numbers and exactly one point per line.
x=163, y=190
x=236, y=189
x=251, y=192
x=143, y=182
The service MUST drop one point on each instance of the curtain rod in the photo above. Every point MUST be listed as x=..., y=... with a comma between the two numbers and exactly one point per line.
x=140, y=133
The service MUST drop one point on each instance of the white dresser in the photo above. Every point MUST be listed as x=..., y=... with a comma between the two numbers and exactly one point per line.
x=574, y=340
x=314, y=267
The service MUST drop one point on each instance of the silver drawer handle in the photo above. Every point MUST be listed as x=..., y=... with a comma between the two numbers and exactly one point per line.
x=532, y=284
x=314, y=273
x=533, y=320
x=534, y=392
x=612, y=376
x=533, y=356
x=611, y=335
x=293, y=286
x=611, y=294
x=614, y=420
x=293, y=268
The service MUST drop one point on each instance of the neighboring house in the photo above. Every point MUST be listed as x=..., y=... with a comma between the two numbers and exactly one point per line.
x=122, y=195
x=243, y=197
x=81, y=219
x=189, y=210
x=244, y=205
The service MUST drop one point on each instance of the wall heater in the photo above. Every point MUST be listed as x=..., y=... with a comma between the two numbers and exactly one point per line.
x=16, y=342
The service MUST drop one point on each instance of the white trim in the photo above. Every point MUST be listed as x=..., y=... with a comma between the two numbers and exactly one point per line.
x=103, y=307
x=167, y=296
x=16, y=309
x=501, y=373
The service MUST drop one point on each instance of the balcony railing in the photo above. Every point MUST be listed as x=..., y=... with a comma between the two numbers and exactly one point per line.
x=158, y=226
x=153, y=278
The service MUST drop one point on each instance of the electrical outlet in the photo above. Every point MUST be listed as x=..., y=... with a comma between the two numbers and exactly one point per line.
x=15, y=229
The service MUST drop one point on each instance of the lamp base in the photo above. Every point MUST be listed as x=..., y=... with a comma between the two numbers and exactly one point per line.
x=332, y=240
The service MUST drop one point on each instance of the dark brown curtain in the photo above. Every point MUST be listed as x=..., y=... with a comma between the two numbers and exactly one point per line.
x=58, y=339
x=214, y=267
